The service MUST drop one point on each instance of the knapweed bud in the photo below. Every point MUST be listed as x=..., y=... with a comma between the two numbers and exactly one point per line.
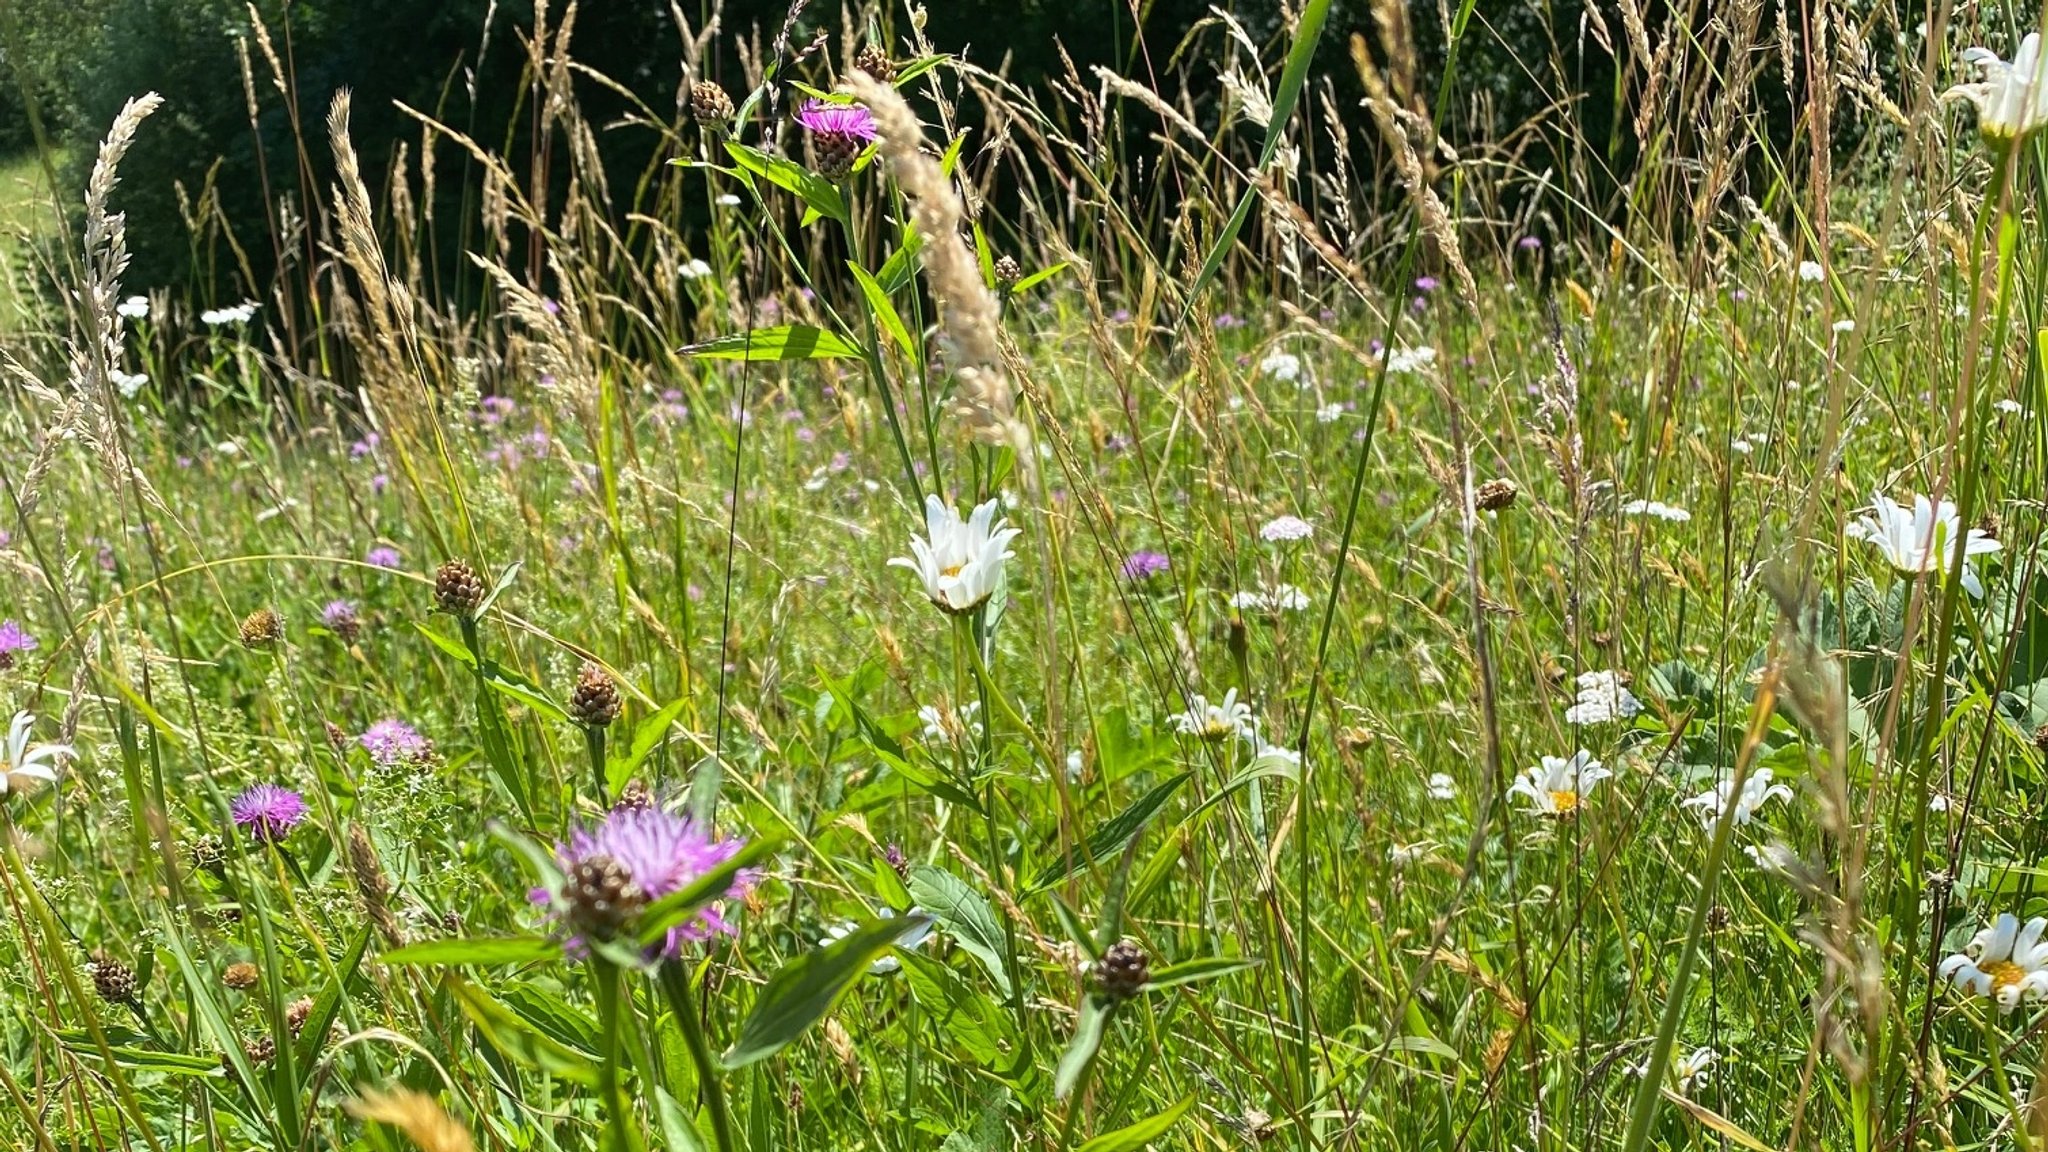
x=114, y=980
x=1007, y=272
x=241, y=977
x=601, y=896
x=260, y=1051
x=899, y=863
x=458, y=590
x=262, y=628
x=635, y=796
x=1122, y=971
x=1495, y=495
x=709, y=105
x=875, y=62
x=297, y=1013
x=595, y=701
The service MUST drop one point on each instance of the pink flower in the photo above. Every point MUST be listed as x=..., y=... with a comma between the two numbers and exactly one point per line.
x=847, y=121
x=268, y=811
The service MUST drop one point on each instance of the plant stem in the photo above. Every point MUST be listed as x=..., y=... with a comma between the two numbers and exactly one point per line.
x=682, y=1000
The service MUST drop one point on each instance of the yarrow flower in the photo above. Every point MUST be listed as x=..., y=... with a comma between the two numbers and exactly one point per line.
x=2011, y=99
x=1923, y=539
x=1271, y=601
x=391, y=742
x=1558, y=786
x=1143, y=565
x=959, y=561
x=25, y=761
x=128, y=384
x=694, y=269
x=1602, y=698
x=1757, y=789
x=633, y=858
x=219, y=317
x=14, y=640
x=1281, y=364
x=1442, y=786
x=1658, y=509
x=2005, y=962
x=1811, y=271
x=1405, y=360
x=1286, y=529
x=268, y=812
x=134, y=308
x=1214, y=722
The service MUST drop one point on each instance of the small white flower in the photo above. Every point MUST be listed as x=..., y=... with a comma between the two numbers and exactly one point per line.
x=26, y=761
x=1214, y=722
x=2008, y=406
x=1692, y=1068
x=912, y=939
x=1756, y=790
x=128, y=384
x=728, y=200
x=1402, y=855
x=1271, y=601
x=1923, y=539
x=1602, y=698
x=239, y=314
x=1657, y=509
x=2005, y=962
x=1329, y=413
x=1774, y=858
x=1074, y=765
x=694, y=269
x=1558, y=786
x=1845, y=325
x=1286, y=529
x=2011, y=99
x=958, y=727
x=1442, y=786
x=1938, y=802
x=1281, y=365
x=1811, y=271
x=1741, y=446
x=1404, y=360
x=134, y=308
x=959, y=561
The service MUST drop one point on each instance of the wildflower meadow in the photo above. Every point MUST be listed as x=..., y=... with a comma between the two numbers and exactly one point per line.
x=876, y=601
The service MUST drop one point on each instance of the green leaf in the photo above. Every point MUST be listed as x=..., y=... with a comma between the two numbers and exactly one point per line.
x=804, y=990
x=884, y=309
x=706, y=779
x=784, y=342
x=1190, y=971
x=1306, y=33
x=965, y=1014
x=505, y=579
x=1111, y=837
x=814, y=190
x=1136, y=1136
x=1080, y=1053
x=313, y=1033
x=448, y=644
x=1037, y=278
x=519, y=1040
x=514, y=685
x=685, y=902
x=902, y=263
x=475, y=950
x=963, y=913
x=647, y=736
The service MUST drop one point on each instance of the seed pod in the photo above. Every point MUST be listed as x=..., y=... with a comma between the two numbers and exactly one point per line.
x=1495, y=495
x=241, y=977
x=114, y=980
x=458, y=590
x=595, y=701
x=1007, y=272
x=262, y=628
x=875, y=62
x=1122, y=971
x=709, y=105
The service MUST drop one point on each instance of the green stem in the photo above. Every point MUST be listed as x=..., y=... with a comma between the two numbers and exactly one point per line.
x=593, y=742
x=618, y=1110
x=682, y=1000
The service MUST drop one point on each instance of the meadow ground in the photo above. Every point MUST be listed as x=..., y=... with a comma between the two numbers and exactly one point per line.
x=1515, y=695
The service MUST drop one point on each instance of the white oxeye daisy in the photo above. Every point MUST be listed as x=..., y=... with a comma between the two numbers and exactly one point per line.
x=1755, y=791
x=1602, y=698
x=2006, y=962
x=2011, y=99
x=1281, y=365
x=960, y=561
x=1558, y=786
x=1214, y=722
x=1691, y=1068
x=1922, y=539
x=25, y=761
x=1442, y=786
x=1286, y=529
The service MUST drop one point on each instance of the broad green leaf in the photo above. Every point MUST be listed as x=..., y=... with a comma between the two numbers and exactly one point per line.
x=1080, y=1053
x=804, y=990
x=962, y=1012
x=1037, y=278
x=505, y=579
x=511, y=684
x=784, y=342
x=1111, y=837
x=479, y=950
x=519, y=1040
x=902, y=263
x=814, y=190
x=1190, y=971
x=962, y=912
x=313, y=1033
x=448, y=644
x=1136, y=1136
x=884, y=310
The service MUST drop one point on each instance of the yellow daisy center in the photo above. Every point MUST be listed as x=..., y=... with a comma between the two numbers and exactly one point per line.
x=1564, y=802
x=954, y=570
x=2004, y=974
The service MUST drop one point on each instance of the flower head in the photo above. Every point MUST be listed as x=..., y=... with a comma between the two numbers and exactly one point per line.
x=1602, y=698
x=827, y=118
x=1214, y=722
x=1559, y=786
x=268, y=811
x=25, y=761
x=1286, y=529
x=1692, y=1068
x=1923, y=539
x=2006, y=962
x=1143, y=565
x=134, y=308
x=1270, y=601
x=1281, y=364
x=2011, y=99
x=14, y=640
x=960, y=561
x=392, y=741
x=1756, y=790
x=382, y=557
x=642, y=855
x=219, y=317
x=1657, y=509
x=1442, y=786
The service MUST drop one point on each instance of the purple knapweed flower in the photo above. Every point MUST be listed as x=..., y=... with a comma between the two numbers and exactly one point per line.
x=13, y=641
x=339, y=615
x=1144, y=565
x=269, y=812
x=391, y=742
x=660, y=853
x=1427, y=284
x=383, y=557
x=1529, y=243
x=850, y=121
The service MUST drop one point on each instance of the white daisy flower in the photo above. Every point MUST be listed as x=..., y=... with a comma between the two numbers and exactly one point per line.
x=1756, y=790
x=1214, y=722
x=1657, y=509
x=134, y=308
x=1602, y=698
x=1923, y=539
x=2005, y=962
x=1286, y=529
x=1691, y=1068
x=1558, y=786
x=1281, y=365
x=1811, y=271
x=2011, y=99
x=26, y=761
x=959, y=561
x=1442, y=786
